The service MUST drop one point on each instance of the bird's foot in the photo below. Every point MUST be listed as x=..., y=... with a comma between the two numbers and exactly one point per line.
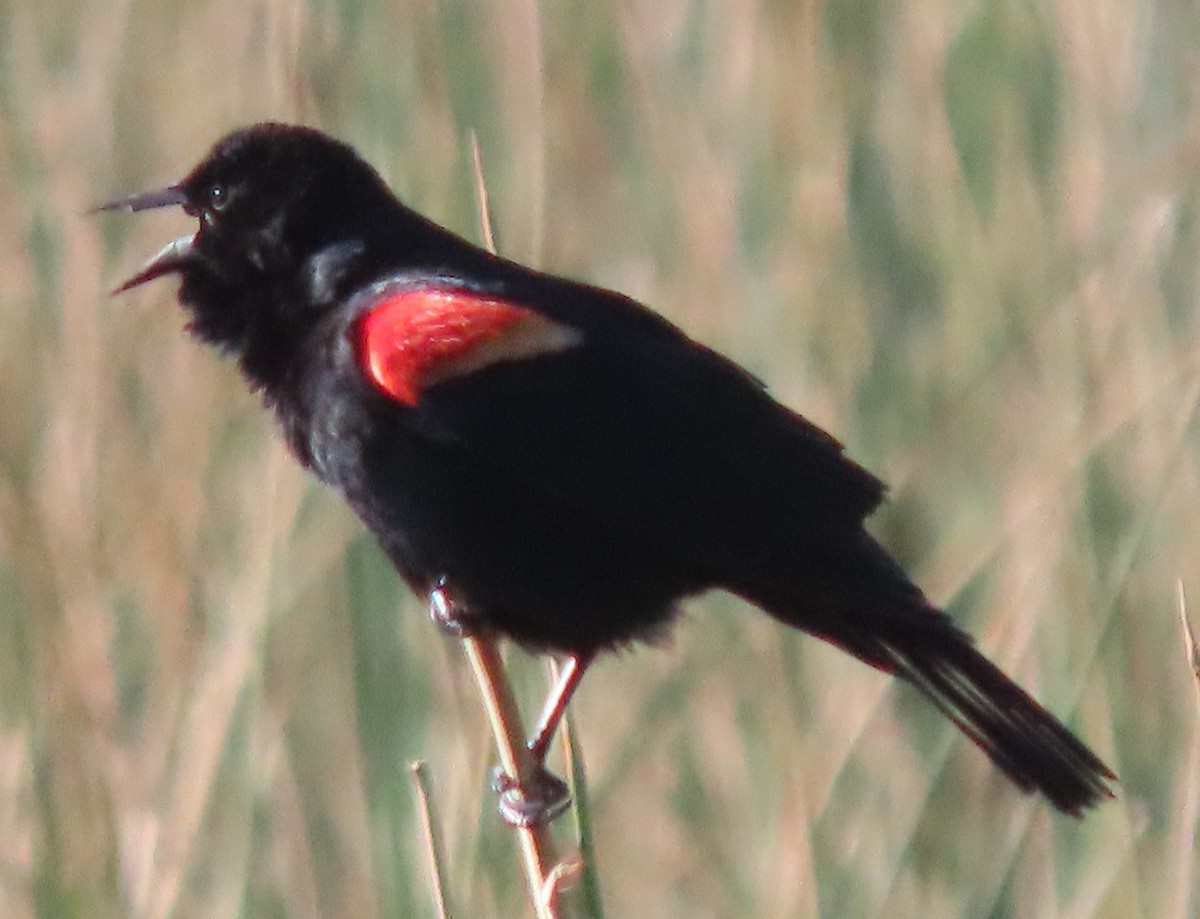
x=535, y=803
x=451, y=615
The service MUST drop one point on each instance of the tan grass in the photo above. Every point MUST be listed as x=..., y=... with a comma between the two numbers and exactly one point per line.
x=193, y=723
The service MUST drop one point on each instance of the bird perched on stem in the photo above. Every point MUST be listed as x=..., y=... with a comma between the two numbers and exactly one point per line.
x=551, y=461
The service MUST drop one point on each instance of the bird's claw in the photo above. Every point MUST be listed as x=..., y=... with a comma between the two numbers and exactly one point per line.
x=534, y=803
x=451, y=616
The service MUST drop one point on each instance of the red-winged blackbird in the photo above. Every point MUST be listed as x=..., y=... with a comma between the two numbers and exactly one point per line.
x=550, y=460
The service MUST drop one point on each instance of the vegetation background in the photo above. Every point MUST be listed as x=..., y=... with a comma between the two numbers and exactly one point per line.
x=963, y=237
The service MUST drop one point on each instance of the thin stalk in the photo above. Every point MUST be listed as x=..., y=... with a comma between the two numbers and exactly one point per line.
x=537, y=847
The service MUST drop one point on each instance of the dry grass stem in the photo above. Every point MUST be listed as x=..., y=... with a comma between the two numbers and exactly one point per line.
x=431, y=837
x=1189, y=640
x=537, y=847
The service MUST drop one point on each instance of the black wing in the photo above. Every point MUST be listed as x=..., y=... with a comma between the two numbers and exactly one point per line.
x=642, y=427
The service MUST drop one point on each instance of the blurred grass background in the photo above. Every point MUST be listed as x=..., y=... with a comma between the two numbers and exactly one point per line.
x=963, y=237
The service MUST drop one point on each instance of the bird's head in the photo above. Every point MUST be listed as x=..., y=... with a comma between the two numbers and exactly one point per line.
x=285, y=214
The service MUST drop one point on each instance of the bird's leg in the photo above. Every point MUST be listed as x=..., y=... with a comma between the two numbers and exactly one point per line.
x=556, y=704
x=452, y=616
x=547, y=796
x=541, y=796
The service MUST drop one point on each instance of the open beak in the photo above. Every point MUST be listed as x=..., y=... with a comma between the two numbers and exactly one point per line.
x=171, y=196
x=176, y=255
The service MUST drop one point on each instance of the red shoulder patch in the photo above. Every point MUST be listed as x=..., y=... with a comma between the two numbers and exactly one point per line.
x=414, y=339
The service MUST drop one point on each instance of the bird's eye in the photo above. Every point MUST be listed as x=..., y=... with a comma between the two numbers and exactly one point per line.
x=217, y=197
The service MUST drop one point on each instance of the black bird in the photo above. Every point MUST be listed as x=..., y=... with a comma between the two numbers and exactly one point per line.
x=549, y=460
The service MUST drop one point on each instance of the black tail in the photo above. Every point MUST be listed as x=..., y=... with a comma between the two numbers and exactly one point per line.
x=1030, y=745
x=907, y=636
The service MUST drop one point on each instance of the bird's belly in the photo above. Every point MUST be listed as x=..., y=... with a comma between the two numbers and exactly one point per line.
x=534, y=565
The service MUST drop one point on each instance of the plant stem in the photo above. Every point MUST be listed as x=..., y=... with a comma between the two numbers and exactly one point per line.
x=537, y=847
